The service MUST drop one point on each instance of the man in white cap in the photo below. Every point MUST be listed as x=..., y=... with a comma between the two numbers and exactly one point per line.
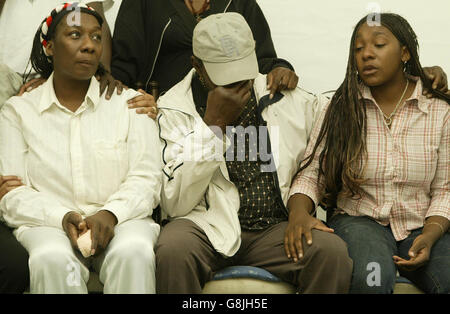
x=234, y=205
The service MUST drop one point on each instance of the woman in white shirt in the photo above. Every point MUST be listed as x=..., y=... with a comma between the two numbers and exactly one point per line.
x=87, y=164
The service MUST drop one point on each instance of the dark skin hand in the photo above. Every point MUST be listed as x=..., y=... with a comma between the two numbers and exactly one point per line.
x=300, y=225
x=101, y=225
x=279, y=79
x=419, y=253
x=438, y=78
x=225, y=104
x=8, y=183
x=74, y=226
x=108, y=83
x=144, y=104
x=102, y=230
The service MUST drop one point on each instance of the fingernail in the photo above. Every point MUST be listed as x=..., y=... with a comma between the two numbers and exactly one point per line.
x=29, y=88
x=309, y=242
x=300, y=255
x=271, y=96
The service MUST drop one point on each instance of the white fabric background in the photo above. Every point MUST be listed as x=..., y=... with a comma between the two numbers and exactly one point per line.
x=315, y=35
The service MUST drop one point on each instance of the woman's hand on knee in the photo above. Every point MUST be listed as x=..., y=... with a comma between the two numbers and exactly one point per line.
x=300, y=224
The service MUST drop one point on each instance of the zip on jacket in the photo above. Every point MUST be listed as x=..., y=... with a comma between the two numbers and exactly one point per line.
x=157, y=53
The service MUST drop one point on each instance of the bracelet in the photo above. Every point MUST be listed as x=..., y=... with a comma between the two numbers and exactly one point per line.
x=436, y=223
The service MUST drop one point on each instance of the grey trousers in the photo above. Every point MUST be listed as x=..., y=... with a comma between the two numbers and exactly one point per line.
x=186, y=259
x=10, y=83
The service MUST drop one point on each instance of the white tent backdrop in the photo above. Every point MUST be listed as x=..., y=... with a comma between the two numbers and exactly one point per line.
x=315, y=35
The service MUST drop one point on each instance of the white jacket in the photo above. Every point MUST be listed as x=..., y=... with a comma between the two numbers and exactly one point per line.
x=196, y=184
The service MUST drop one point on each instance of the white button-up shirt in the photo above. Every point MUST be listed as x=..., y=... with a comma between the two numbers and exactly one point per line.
x=103, y=156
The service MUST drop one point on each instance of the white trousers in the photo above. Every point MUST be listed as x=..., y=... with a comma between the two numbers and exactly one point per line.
x=126, y=266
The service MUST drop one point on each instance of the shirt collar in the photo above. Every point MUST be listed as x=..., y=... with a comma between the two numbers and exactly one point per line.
x=49, y=98
x=415, y=97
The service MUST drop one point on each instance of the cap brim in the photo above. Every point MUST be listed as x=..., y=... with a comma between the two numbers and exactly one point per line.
x=222, y=74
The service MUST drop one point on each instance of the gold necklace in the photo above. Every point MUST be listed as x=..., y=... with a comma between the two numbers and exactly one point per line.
x=388, y=119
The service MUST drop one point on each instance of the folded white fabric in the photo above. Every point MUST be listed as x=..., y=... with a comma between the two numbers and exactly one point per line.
x=85, y=244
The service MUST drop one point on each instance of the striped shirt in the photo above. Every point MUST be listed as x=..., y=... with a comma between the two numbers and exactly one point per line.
x=407, y=166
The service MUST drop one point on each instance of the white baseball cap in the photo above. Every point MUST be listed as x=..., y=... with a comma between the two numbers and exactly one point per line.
x=225, y=44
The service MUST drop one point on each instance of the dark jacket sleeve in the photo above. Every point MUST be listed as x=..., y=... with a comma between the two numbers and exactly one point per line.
x=265, y=51
x=128, y=45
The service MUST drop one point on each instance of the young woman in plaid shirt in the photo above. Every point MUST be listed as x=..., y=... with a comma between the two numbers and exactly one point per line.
x=378, y=158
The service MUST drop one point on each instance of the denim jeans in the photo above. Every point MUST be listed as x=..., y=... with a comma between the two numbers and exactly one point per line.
x=371, y=247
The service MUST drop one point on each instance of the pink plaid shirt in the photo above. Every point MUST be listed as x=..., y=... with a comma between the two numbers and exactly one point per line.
x=407, y=171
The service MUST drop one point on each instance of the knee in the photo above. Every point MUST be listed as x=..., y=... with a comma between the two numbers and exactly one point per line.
x=330, y=248
x=52, y=260
x=177, y=251
x=377, y=277
x=135, y=251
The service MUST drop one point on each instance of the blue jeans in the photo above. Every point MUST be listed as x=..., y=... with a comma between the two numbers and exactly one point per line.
x=371, y=247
